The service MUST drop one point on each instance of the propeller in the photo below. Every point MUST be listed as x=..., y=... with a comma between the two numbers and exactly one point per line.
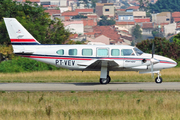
x=152, y=60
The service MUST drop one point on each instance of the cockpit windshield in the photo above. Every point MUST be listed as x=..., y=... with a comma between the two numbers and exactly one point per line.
x=138, y=52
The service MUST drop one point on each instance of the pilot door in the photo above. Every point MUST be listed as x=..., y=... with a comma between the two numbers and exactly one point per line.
x=129, y=58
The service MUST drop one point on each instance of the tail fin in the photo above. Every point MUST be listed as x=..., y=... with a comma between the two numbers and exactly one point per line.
x=18, y=35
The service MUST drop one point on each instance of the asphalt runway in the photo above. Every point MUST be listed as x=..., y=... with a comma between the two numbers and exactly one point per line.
x=89, y=86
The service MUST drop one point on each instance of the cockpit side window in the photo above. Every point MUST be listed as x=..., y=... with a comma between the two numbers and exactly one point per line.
x=127, y=52
x=138, y=52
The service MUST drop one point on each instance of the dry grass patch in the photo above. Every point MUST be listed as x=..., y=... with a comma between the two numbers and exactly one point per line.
x=107, y=105
x=169, y=75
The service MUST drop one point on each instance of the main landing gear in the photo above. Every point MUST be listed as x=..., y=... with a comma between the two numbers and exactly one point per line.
x=104, y=78
x=158, y=79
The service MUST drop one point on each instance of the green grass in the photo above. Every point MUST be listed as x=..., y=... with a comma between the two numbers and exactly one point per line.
x=168, y=75
x=97, y=105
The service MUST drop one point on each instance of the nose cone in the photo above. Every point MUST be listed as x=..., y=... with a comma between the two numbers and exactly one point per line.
x=175, y=63
x=163, y=62
x=167, y=62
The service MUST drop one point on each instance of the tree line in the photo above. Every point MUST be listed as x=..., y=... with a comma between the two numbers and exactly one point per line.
x=34, y=19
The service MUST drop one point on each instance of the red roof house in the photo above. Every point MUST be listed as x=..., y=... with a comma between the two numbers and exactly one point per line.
x=125, y=23
x=176, y=16
x=121, y=9
x=140, y=20
x=84, y=10
x=108, y=31
x=147, y=26
x=69, y=13
x=89, y=22
x=52, y=11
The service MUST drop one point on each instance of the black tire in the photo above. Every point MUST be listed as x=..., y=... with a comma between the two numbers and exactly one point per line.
x=109, y=78
x=158, y=80
x=105, y=80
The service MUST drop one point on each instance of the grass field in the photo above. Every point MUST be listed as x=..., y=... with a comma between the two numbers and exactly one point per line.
x=168, y=75
x=95, y=105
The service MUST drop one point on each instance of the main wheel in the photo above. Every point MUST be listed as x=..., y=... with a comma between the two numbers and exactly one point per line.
x=158, y=80
x=103, y=80
x=109, y=78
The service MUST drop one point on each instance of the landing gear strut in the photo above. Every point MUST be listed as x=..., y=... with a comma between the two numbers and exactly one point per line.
x=104, y=78
x=158, y=79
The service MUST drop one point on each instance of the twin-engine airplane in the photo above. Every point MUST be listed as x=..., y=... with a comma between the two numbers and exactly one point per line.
x=102, y=58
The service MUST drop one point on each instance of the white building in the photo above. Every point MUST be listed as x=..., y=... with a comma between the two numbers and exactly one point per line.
x=170, y=29
x=74, y=26
x=54, y=2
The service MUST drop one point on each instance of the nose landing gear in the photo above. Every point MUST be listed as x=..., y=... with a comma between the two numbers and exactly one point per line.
x=158, y=79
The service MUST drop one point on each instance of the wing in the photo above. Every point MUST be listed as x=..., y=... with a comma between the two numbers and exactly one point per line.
x=96, y=64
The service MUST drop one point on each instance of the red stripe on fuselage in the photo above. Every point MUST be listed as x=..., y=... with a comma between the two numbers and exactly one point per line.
x=44, y=57
x=23, y=40
x=167, y=62
x=124, y=58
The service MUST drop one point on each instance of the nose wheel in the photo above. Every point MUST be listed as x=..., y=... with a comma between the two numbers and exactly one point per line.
x=158, y=80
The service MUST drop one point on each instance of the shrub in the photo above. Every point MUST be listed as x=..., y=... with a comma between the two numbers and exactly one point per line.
x=19, y=64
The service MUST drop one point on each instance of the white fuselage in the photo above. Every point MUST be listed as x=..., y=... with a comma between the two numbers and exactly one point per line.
x=79, y=57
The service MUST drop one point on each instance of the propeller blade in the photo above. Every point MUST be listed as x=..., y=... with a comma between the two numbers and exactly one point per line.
x=152, y=74
x=153, y=50
x=152, y=59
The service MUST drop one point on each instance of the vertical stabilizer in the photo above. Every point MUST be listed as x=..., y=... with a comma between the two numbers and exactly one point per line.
x=18, y=35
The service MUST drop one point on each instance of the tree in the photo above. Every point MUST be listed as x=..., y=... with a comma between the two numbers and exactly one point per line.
x=105, y=22
x=79, y=17
x=136, y=32
x=94, y=3
x=148, y=14
x=156, y=33
x=56, y=33
x=176, y=39
x=165, y=6
x=143, y=4
x=162, y=47
x=32, y=17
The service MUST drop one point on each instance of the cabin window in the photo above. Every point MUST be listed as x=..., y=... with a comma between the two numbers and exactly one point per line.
x=115, y=52
x=103, y=52
x=127, y=52
x=60, y=52
x=72, y=51
x=87, y=52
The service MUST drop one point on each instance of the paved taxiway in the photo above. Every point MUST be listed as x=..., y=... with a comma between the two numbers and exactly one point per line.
x=88, y=86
